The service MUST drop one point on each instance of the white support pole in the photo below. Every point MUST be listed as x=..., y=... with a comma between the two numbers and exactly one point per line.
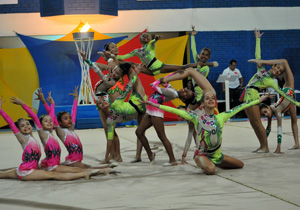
x=84, y=41
x=227, y=96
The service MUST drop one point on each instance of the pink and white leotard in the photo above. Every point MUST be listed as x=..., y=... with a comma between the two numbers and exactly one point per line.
x=70, y=138
x=52, y=147
x=52, y=151
x=159, y=96
x=31, y=151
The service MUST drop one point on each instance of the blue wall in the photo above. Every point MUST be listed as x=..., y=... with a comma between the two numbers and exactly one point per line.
x=240, y=45
x=27, y=6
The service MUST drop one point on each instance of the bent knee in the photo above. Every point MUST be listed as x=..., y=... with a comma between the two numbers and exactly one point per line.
x=209, y=170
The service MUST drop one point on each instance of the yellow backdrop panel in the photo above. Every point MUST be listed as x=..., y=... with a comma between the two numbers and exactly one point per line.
x=171, y=51
x=19, y=78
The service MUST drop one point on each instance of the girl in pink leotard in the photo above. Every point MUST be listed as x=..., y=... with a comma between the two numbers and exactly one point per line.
x=28, y=169
x=64, y=126
x=51, y=144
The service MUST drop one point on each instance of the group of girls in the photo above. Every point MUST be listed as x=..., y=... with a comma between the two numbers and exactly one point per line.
x=205, y=123
x=50, y=167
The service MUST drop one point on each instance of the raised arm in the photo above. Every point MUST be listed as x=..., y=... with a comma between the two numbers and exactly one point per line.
x=193, y=44
x=9, y=121
x=288, y=74
x=74, y=108
x=129, y=55
x=32, y=115
x=97, y=67
x=258, y=36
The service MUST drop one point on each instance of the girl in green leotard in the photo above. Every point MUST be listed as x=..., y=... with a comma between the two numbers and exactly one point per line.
x=281, y=106
x=262, y=80
x=209, y=128
x=120, y=111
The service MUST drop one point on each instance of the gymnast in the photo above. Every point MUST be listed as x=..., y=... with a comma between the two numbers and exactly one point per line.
x=209, y=128
x=281, y=106
x=147, y=57
x=64, y=126
x=155, y=116
x=261, y=80
x=120, y=111
x=28, y=169
x=109, y=87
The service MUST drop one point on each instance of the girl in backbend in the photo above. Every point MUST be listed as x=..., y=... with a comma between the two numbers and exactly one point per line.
x=28, y=169
x=262, y=80
x=155, y=116
x=120, y=111
x=109, y=87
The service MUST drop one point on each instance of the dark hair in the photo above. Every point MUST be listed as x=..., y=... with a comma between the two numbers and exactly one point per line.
x=206, y=48
x=191, y=100
x=19, y=122
x=106, y=46
x=42, y=117
x=125, y=67
x=263, y=106
x=59, y=115
x=232, y=61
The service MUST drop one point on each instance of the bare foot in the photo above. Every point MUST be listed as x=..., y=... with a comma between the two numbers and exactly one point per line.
x=152, y=161
x=136, y=160
x=91, y=173
x=256, y=150
x=262, y=151
x=170, y=164
x=294, y=147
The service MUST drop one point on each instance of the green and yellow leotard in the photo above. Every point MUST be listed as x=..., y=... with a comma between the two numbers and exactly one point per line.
x=209, y=128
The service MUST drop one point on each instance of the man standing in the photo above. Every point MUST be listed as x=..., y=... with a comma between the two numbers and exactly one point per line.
x=234, y=91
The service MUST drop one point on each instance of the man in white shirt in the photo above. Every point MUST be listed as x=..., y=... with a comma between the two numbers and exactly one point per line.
x=234, y=86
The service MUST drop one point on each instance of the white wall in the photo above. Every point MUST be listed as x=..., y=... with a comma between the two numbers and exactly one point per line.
x=205, y=19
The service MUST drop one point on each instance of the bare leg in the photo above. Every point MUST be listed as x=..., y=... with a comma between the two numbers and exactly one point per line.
x=140, y=132
x=294, y=126
x=231, y=163
x=139, y=146
x=146, y=71
x=68, y=169
x=10, y=174
x=200, y=80
x=85, y=166
x=207, y=166
x=103, y=118
x=253, y=114
x=46, y=175
x=171, y=68
x=158, y=124
x=116, y=148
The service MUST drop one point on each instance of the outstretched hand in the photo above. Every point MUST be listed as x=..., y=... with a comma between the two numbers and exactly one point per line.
x=83, y=54
x=75, y=92
x=50, y=99
x=265, y=96
x=16, y=101
x=1, y=101
x=257, y=33
x=40, y=96
x=194, y=32
x=258, y=62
